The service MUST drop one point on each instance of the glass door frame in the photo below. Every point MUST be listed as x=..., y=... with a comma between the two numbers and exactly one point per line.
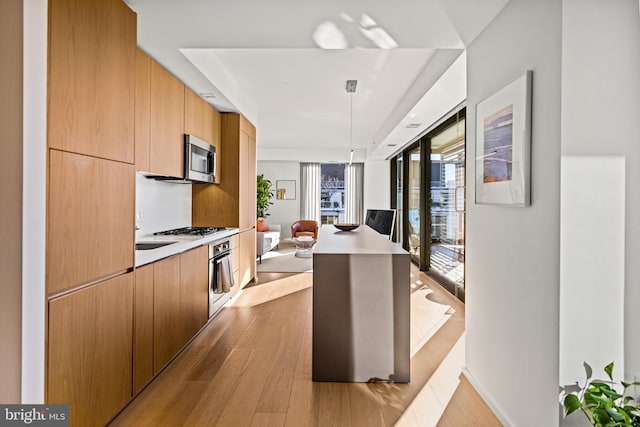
x=423, y=259
x=424, y=143
x=449, y=285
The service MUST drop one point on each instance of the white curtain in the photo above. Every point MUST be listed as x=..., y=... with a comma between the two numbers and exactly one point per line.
x=310, y=178
x=353, y=190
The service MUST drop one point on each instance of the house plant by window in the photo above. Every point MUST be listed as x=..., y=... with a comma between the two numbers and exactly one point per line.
x=600, y=402
x=263, y=201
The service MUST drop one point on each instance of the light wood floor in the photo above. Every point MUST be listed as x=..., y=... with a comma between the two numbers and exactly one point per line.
x=251, y=366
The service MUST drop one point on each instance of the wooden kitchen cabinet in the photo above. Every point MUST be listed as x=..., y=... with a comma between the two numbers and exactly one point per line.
x=247, y=180
x=194, y=290
x=203, y=121
x=235, y=262
x=143, y=327
x=142, y=111
x=166, y=151
x=167, y=334
x=90, y=219
x=90, y=349
x=233, y=202
x=180, y=302
x=92, y=58
x=247, y=267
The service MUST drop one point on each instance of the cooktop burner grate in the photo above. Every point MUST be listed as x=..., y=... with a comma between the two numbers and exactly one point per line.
x=190, y=231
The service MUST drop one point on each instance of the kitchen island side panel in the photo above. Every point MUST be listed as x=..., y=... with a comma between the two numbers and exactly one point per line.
x=361, y=306
x=401, y=317
x=332, y=330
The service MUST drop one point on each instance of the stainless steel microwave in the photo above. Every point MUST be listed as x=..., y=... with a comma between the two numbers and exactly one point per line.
x=199, y=160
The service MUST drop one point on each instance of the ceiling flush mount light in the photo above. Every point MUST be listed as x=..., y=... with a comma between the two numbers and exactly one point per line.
x=351, y=88
x=207, y=95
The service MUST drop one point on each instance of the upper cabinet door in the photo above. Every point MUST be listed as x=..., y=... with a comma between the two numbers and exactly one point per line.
x=90, y=219
x=143, y=110
x=203, y=121
x=92, y=58
x=198, y=116
x=166, y=156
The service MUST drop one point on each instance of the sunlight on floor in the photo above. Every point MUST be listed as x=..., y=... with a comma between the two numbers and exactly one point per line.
x=429, y=404
x=269, y=291
x=426, y=318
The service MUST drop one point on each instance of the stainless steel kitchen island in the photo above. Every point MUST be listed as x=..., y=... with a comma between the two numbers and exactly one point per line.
x=361, y=307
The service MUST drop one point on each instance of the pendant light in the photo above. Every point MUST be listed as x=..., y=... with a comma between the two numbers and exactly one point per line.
x=351, y=88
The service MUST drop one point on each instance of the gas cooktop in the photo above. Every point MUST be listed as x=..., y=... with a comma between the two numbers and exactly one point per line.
x=190, y=231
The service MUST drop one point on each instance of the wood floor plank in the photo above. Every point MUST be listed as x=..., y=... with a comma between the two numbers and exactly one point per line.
x=330, y=404
x=300, y=408
x=364, y=406
x=267, y=419
x=216, y=397
x=251, y=366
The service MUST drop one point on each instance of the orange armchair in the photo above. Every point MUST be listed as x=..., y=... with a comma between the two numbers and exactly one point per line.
x=304, y=227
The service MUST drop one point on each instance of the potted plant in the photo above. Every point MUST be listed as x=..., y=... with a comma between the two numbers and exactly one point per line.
x=263, y=201
x=600, y=402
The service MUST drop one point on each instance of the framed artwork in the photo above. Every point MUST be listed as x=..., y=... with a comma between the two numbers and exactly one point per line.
x=286, y=190
x=503, y=145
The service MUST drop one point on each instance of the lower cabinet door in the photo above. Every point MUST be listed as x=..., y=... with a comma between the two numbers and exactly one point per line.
x=194, y=290
x=247, y=261
x=143, y=327
x=90, y=350
x=168, y=336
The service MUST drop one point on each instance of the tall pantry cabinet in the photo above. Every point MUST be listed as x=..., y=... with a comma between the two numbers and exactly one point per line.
x=233, y=202
x=90, y=207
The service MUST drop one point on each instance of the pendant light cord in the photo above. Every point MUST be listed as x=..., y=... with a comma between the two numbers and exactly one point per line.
x=351, y=130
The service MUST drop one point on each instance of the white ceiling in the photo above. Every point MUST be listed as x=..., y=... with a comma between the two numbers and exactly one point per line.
x=284, y=65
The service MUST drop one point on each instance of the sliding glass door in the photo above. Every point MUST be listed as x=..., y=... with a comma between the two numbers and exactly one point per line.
x=413, y=204
x=429, y=195
x=446, y=205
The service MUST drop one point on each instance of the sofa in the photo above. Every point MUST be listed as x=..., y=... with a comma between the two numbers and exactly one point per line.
x=267, y=240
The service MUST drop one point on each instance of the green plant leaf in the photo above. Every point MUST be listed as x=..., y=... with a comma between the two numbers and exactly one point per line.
x=612, y=394
x=625, y=384
x=614, y=414
x=571, y=403
x=601, y=385
x=609, y=370
x=601, y=416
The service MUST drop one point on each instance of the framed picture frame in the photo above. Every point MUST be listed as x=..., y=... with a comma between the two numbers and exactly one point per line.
x=286, y=189
x=503, y=145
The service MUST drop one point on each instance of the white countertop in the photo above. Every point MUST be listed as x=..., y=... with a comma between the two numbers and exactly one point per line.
x=362, y=240
x=182, y=244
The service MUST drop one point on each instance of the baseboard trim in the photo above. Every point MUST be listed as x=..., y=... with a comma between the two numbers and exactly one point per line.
x=498, y=412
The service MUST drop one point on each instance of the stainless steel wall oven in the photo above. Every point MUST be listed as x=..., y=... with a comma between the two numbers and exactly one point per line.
x=220, y=274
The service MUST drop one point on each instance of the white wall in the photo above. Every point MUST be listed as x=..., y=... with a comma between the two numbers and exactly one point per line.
x=283, y=212
x=34, y=200
x=376, y=184
x=601, y=117
x=512, y=275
